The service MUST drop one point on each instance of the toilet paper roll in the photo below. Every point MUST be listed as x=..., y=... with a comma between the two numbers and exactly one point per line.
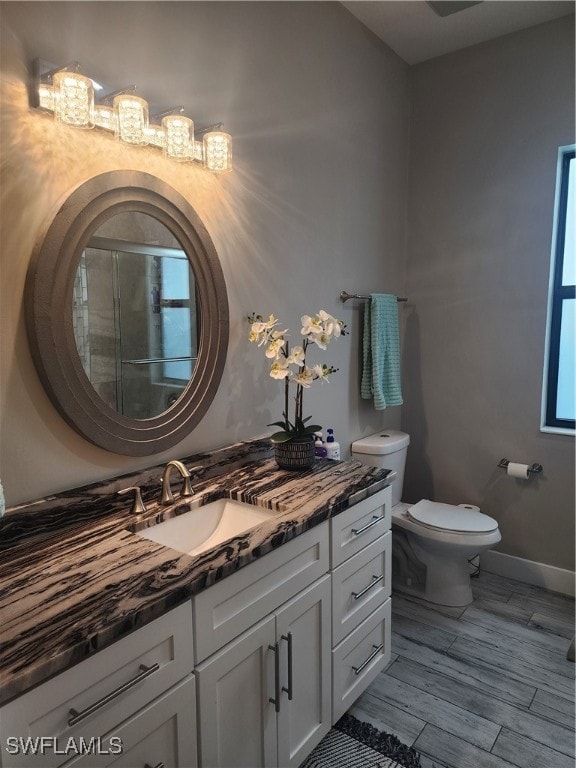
x=518, y=470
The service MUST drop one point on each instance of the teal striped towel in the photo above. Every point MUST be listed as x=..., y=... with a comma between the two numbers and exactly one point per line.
x=381, y=352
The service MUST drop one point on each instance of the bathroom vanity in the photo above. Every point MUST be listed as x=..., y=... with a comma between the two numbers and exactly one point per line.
x=243, y=655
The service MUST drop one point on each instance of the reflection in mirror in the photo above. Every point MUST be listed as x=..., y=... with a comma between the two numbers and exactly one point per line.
x=134, y=315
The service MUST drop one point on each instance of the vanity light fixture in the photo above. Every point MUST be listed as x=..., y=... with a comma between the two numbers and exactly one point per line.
x=70, y=96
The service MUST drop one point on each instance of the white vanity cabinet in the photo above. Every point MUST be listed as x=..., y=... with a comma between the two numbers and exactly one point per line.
x=134, y=692
x=361, y=567
x=264, y=698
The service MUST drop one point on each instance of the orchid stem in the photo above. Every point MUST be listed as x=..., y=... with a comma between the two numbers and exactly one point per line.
x=286, y=394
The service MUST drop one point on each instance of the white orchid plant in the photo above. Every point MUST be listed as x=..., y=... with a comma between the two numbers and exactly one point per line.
x=290, y=364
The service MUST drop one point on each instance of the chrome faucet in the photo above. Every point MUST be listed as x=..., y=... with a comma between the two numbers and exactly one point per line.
x=185, y=490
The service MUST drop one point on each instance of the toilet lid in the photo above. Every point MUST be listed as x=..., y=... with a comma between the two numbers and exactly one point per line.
x=451, y=518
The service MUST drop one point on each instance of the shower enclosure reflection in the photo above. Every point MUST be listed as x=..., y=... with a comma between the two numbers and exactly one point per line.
x=135, y=322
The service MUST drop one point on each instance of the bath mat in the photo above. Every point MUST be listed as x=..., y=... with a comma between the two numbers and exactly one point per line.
x=352, y=744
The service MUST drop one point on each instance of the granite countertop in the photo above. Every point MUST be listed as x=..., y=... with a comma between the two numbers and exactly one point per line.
x=75, y=578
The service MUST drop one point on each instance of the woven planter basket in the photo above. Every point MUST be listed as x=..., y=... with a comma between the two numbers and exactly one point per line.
x=295, y=454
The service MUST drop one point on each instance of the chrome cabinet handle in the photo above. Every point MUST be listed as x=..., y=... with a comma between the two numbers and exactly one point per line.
x=358, y=595
x=276, y=699
x=77, y=717
x=158, y=765
x=358, y=531
x=288, y=690
x=370, y=658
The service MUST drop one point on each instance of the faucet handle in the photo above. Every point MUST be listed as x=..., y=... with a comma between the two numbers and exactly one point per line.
x=138, y=506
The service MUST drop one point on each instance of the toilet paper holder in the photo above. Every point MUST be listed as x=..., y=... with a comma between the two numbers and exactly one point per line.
x=533, y=470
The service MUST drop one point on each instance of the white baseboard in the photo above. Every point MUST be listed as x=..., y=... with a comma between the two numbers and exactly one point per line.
x=528, y=571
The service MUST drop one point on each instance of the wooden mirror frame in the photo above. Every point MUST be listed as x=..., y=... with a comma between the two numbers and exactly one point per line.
x=49, y=290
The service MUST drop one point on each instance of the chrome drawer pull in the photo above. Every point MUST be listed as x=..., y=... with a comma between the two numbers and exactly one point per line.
x=288, y=690
x=358, y=531
x=370, y=658
x=158, y=765
x=358, y=595
x=276, y=699
x=77, y=717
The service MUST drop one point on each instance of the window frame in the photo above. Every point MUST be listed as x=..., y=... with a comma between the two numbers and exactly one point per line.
x=557, y=294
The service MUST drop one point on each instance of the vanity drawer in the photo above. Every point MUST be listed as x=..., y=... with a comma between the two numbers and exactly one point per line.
x=360, y=525
x=225, y=610
x=359, y=658
x=360, y=585
x=103, y=690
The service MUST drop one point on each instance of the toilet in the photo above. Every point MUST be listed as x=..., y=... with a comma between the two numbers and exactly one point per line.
x=432, y=543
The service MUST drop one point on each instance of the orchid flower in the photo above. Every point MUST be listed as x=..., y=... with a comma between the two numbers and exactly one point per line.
x=279, y=369
x=273, y=349
x=297, y=356
x=290, y=364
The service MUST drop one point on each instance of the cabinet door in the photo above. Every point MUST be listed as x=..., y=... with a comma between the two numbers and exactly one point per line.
x=237, y=721
x=163, y=733
x=303, y=634
x=92, y=697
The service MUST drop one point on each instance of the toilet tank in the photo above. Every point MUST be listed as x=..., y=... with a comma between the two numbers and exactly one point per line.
x=386, y=449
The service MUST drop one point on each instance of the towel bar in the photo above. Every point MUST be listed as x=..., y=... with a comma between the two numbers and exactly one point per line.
x=344, y=296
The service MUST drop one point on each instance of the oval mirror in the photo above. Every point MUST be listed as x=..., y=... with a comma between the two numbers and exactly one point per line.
x=127, y=313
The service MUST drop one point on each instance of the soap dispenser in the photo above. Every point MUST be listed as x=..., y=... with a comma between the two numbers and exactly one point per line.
x=332, y=447
x=319, y=446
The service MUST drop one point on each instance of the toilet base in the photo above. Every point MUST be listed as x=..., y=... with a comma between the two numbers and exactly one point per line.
x=441, y=581
x=458, y=597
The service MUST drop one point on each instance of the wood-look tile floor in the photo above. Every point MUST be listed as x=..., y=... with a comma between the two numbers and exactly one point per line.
x=486, y=686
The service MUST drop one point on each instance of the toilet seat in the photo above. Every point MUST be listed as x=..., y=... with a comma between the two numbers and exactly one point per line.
x=447, y=517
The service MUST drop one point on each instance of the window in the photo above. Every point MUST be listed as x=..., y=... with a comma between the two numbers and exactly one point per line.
x=558, y=402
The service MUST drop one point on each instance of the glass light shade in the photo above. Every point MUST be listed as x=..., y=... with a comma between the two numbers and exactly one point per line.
x=104, y=117
x=131, y=119
x=179, y=135
x=218, y=151
x=74, y=99
x=46, y=98
x=156, y=137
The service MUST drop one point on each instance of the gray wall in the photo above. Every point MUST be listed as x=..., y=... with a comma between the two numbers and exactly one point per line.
x=318, y=108
x=486, y=126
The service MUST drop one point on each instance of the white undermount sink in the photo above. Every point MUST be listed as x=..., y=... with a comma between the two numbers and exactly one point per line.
x=206, y=527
